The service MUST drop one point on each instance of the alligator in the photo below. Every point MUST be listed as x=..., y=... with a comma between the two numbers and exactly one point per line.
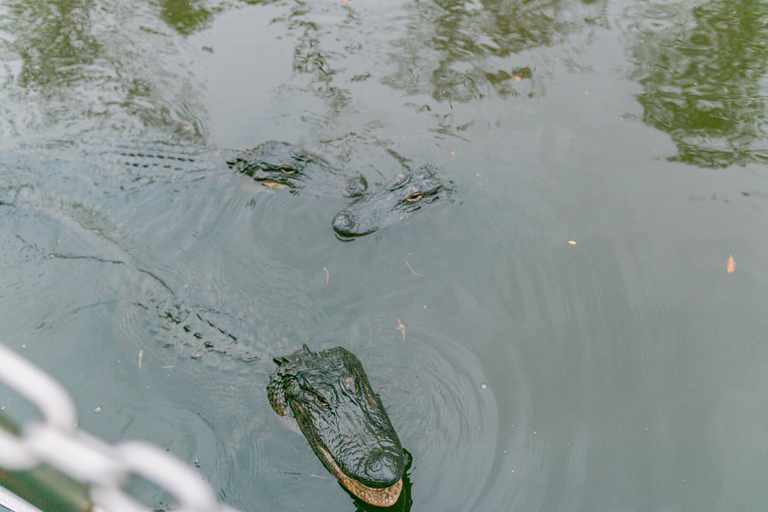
x=279, y=164
x=392, y=202
x=283, y=165
x=107, y=213
x=331, y=400
x=325, y=396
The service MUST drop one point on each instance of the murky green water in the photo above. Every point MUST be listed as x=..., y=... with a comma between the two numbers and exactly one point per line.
x=574, y=340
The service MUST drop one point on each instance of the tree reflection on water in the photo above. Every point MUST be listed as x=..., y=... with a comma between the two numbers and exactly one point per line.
x=190, y=16
x=86, y=65
x=703, y=72
x=459, y=51
x=75, y=67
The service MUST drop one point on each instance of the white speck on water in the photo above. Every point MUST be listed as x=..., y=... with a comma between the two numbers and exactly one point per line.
x=97, y=410
x=483, y=386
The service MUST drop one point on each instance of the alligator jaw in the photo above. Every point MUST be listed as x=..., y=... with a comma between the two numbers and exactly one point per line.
x=379, y=497
x=343, y=420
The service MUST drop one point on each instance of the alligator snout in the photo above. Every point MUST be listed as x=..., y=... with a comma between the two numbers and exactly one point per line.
x=345, y=226
x=382, y=470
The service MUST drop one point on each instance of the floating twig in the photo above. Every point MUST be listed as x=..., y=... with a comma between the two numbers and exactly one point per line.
x=141, y=353
x=414, y=272
x=401, y=328
x=327, y=275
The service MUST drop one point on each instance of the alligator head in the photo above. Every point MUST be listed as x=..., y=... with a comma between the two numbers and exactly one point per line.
x=279, y=164
x=391, y=203
x=344, y=421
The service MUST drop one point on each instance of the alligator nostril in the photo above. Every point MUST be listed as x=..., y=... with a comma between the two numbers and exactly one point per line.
x=356, y=186
x=383, y=470
x=343, y=223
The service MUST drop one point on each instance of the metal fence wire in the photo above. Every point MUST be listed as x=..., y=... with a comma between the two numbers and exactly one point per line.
x=54, y=466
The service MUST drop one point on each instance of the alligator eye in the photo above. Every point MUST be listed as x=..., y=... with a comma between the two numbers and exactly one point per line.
x=312, y=397
x=292, y=389
x=416, y=196
x=287, y=170
x=322, y=397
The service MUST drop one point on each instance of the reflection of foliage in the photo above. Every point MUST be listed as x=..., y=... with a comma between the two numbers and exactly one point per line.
x=314, y=54
x=58, y=45
x=451, y=50
x=189, y=16
x=186, y=16
x=83, y=65
x=703, y=71
x=458, y=51
x=312, y=58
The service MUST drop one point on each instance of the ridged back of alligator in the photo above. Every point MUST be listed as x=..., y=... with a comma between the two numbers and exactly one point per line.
x=175, y=331
x=173, y=342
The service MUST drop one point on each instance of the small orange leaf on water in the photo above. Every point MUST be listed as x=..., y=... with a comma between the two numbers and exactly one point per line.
x=401, y=327
x=517, y=78
x=731, y=265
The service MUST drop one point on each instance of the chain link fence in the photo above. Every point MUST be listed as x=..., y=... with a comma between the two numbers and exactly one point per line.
x=51, y=465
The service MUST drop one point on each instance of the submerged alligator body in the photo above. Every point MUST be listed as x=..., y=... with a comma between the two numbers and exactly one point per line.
x=329, y=396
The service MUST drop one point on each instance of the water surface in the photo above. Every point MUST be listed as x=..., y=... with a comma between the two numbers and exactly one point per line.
x=573, y=339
